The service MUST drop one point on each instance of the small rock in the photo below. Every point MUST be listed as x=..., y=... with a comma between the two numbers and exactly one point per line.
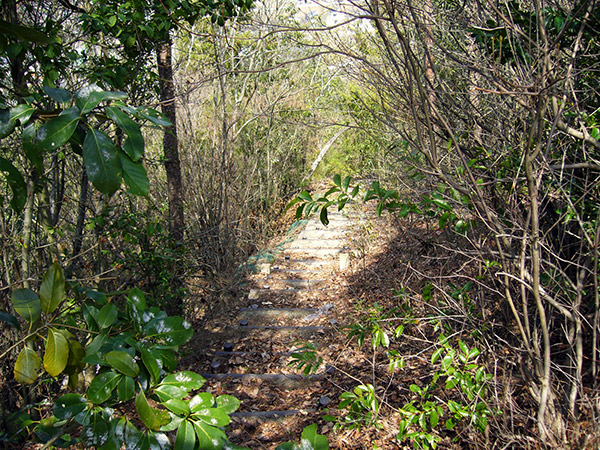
x=324, y=401
x=228, y=347
x=244, y=323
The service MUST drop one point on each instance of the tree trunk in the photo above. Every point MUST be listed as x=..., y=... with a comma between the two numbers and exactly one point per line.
x=170, y=142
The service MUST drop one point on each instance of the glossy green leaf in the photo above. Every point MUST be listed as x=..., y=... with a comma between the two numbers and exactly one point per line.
x=107, y=316
x=27, y=304
x=305, y=195
x=125, y=389
x=58, y=131
x=88, y=98
x=21, y=113
x=134, y=144
x=185, y=379
x=134, y=175
x=137, y=298
x=150, y=361
x=169, y=330
x=57, y=94
x=52, y=290
x=209, y=437
x=156, y=118
x=68, y=406
x=152, y=418
x=102, y=387
x=186, y=437
x=228, y=403
x=10, y=319
x=17, y=184
x=56, y=352
x=101, y=162
x=312, y=438
x=212, y=416
x=169, y=392
x=27, y=367
x=122, y=362
x=177, y=406
x=323, y=216
x=201, y=400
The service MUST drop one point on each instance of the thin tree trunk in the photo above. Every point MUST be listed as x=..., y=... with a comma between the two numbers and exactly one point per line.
x=27, y=224
x=170, y=142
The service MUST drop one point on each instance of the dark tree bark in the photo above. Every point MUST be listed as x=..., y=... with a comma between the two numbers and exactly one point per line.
x=170, y=141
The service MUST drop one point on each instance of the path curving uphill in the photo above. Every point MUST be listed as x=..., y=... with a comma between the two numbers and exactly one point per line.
x=292, y=301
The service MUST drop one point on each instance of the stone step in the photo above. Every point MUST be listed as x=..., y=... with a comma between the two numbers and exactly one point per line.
x=317, y=243
x=269, y=414
x=289, y=381
x=284, y=283
x=293, y=313
x=318, y=253
x=330, y=233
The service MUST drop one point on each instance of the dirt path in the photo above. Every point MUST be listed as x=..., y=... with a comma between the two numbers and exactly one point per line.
x=294, y=299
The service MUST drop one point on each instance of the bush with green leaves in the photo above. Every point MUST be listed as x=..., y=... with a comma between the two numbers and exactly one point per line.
x=465, y=383
x=118, y=358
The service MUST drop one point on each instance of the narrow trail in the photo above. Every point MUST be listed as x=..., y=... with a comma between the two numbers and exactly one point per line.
x=293, y=299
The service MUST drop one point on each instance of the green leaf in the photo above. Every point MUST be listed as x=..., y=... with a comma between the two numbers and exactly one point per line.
x=447, y=361
x=52, y=290
x=7, y=125
x=156, y=118
x=212, y=416
x=17, y=184
x=27, y=304
x=27, y=366
x=177, y=406
x=101, y=162
x=125, y=389
x=346, y=183
x=169, y=392
x=24, y=33
x=149, y=361
x=312, y=438
x=201, y=400
x=337, y=180
x=122, y=362
x=288, y=446
x=102, y=387
x=137, y=298
x=58, y=131
x=442, y=204
x=57, y=94
x=434, y=418
x=186, y=380
x=134, y=145
x=305, y=195
x=228, y=403
x=87, y=99
x=436, y=355
x=209, y=437
x=186, y=437
x=134, y=175
x=69, y=406
x=56, y=353
x=152, y=418
x=107, y=316
x=323, y=217
x=170, y=330
x=21, y=113
x=10, y=319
